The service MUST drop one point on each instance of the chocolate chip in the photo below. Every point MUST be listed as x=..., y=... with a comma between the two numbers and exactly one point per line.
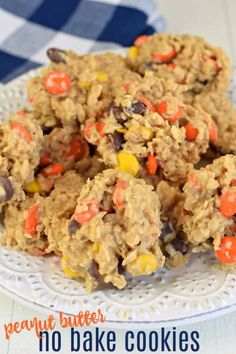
x=167, y=229
x=138, y=107
x=117, y=113
x=149, y=65
x=117, y=140
x=47, y=130
x=120, y=267
x=183, y=122
x=110, y=107
x=56, y=55
x=93, y=270
x=180, y=245
x=73, y=227
x=6, y=189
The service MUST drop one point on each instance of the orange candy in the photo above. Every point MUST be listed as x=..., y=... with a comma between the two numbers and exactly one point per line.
x=53, y=170
x=118, y=197
x=147, y=103
x=191, y=132
x=21, y=113
x=125, y=86
x=100, y=128
x=162, y=108
x=193, y=180
x=88, y=130
x=32, y=220
x=21, y=131
x=152, y=165
x=140, y=40
x=171, y=66
x=227, y=250
x=57, y=83
x=44, y=159
x=164, y=57
x=92, y=207
x=228, y=204
x=94, y=126
x=78, y=148
x=213, y=59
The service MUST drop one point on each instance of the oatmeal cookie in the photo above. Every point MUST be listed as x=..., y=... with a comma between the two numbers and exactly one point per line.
x=35, y=225
x=59, y=207
x=22, y=227
x=62, y=152
x=74, y=88
x=113, y=230
x=222, y=112
x=20, y=144
x=186, y=59
x=210, y=206
x=64, y=148
x=158, y=137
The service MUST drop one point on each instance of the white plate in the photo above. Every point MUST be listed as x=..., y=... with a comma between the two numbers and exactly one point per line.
x=193, y=294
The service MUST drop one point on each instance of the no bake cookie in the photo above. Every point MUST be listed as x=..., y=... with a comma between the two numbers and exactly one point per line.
x=186, y=59
x=113, y=230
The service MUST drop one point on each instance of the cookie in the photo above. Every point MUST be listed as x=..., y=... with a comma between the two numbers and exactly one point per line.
x=34, y=225
x=22, y=228
x=162, y=137
x=210, y=206
x=59, y=207
x=221, y=110
x=75, y=88
x=20, y=143
x=113, y=230
x=186, y=59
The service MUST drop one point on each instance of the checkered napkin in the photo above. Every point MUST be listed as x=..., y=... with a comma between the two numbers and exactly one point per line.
x=29, y=27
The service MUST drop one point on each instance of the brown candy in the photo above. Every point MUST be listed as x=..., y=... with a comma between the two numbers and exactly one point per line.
x=117, y=140
x=6, y=189
x=56, y=55
x=73, y=227
x=138, y=108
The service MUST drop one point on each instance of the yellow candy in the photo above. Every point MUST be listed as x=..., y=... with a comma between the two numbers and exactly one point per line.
x=132, y=52
x=128, y=163
x=101, y=76
x=70, y=273
x=121, y=130
x=96, y=247
x=144, y=264
x=147, y=133
x=33, y=187
x=84, y=84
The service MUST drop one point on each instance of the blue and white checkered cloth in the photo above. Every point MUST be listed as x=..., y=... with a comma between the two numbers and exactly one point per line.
x=29, y=27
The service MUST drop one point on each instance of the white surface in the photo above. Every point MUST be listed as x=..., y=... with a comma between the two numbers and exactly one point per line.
x=168, y=298
x=215, y=20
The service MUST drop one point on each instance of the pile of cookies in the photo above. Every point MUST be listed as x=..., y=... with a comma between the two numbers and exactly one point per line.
x=123, y=164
